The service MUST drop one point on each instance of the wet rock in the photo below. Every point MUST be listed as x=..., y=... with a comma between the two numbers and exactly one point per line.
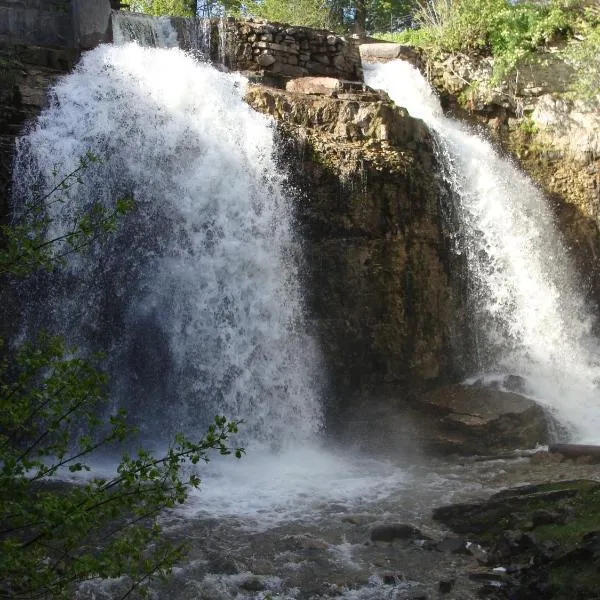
x=353, y=520
x=512, y=544
x=453, y=545
x=479, y=420
x=545, y=516
x=379, y=290
x=445, y=586
x=393, y=578
x=395, y=531
x=563, y=562
x=253, y=584
x=304, y=542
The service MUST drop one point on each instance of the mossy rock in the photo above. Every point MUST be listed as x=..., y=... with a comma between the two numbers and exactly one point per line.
x=548, y=533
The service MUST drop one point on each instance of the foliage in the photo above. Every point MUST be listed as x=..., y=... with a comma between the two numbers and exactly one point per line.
x=336, y=15
x=187, y=8
x=54, y=415
x=176, y=8
x=583, y=53
x=309, y=13
x=510, y=31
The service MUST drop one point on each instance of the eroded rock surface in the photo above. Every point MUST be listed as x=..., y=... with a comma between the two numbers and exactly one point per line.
x=379, y=267
x=479, y=420
x=555, y=139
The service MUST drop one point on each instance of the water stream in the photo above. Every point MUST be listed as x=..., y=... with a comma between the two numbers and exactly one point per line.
x=531, y=317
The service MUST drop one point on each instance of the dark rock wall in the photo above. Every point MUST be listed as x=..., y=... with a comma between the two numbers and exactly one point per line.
x=379, y=290
x=54, y=23
x=26, y=73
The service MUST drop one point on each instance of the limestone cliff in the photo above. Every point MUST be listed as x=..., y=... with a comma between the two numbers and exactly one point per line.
x=555, y=138
x=370, y=212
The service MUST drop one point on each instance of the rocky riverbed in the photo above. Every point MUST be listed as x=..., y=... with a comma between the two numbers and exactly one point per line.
x=379, y=532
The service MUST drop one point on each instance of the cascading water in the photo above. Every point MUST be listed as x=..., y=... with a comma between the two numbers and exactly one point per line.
x=193, y=34
x=147, y=31
x=195, y=301
x=531, y=317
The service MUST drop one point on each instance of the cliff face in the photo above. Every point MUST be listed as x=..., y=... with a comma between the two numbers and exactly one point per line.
x=26, y=73
x=370, y=213
x=555, y=139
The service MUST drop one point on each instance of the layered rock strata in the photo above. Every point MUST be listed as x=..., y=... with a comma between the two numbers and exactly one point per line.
x=378, y=264
x=555, y=138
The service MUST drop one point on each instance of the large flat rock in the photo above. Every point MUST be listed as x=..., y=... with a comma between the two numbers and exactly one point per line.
x=471, y=419
x=384, y=51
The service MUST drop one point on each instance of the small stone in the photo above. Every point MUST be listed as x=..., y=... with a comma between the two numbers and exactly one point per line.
x=254, y=584
x=453, y=545
x=393, y=578
x=395, y=531
x=445, y=586
x=265, y=60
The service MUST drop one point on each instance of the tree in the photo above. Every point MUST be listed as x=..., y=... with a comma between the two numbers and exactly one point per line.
x=176, y=8
x=53, y=417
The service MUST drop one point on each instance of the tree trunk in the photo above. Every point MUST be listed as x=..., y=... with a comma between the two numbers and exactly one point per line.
x=575, y=450
x=360, y=17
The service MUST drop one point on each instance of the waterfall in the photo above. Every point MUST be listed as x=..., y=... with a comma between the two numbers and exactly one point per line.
x=532, y=319
x=191, y=34
x=195, y=300
x=154, y=32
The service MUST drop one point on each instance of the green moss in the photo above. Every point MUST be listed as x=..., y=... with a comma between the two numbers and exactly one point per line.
x=575, y=580
x=528, y=126
x=585, y=509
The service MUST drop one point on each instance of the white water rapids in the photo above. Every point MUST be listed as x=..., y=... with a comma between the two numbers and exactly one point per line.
x=196, y=299
x=532, y=319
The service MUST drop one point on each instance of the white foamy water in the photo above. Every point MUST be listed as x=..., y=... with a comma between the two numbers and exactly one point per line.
x=304, y=482
x=533, y=320
x=195, y=300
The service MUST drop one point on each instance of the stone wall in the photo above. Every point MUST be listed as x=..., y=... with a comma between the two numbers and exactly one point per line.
x=290, y=51
x=54, y=23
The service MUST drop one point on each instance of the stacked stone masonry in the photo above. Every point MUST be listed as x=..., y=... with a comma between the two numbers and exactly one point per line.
x=290, y=51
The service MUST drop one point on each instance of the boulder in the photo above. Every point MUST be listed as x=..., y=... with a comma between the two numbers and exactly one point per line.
x=314, y=85
x=383, y=51
x=395, y=531
x=471, y=419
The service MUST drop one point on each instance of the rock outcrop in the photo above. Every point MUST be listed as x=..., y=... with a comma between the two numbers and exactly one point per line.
x=378, y=262
x=26, y=73
x=471, y=419
x=555, y=139
x=542, y=540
